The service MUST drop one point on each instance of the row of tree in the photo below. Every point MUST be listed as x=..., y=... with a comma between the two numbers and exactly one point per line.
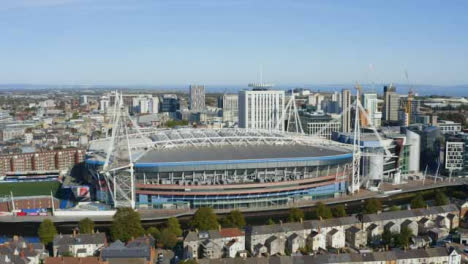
x=127, y=222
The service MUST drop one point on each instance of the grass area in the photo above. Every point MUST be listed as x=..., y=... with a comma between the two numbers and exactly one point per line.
x=29, y=188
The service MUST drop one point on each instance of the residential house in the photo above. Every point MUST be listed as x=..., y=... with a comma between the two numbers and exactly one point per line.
x=79, y=245
x=424, y=225
x=18, y=250
x=411, y=225
x=139, y=250
x=72, y=260
x=425, y=218
x=316, y=241
x=295, y=242
x=275, y=245
x=438, y=234
x=258, y=235
x=356, y=237
x=417, y=256
x=463, y=236
x=336, y=238
x=230, y=242
x=420, y=242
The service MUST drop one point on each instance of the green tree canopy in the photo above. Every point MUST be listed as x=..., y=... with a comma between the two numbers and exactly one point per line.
x=418, y=202
x=86, y=226
x=372, y=206
x=47, y=231
x=126, y=225
x=270, y=221
x=322, y=211
x=441, y=198
x=295, y=215
x=235, y=218
x=339, y=211
x=168, y=238
x=387, y=237
x=174, y=226
x=404, y=238
x=205, y=219
x=154, y=232
x=394, y=208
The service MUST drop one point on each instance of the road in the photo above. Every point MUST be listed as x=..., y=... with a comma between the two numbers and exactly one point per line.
x=159, y=214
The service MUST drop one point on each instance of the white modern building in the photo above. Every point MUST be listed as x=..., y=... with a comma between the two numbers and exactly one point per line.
x=197, y=97
x=449, y=126
x=230, y=107
x=370, y=103
x=261, y=109
x=454, y=155
x=413, y=140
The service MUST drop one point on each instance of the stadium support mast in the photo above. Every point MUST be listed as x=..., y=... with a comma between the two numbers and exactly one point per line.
x=355, y=177
x=291, y=115
x=118, y=167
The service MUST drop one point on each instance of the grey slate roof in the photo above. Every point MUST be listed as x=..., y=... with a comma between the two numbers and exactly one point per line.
x=297, y=226
x=119, y=250
x=336, y=258
x=80, y=239
x=409, y=213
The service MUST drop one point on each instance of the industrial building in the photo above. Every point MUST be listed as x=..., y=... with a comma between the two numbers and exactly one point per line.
x=229, y=168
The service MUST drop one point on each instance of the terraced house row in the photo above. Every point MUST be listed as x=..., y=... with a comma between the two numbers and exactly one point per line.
x=433, y=223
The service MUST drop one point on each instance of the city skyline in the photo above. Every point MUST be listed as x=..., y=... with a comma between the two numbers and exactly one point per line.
x=181, y=42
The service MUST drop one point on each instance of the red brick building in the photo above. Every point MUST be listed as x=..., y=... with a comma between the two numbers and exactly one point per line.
x=53, y=160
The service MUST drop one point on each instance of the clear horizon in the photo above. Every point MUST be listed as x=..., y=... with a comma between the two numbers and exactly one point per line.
x=149, y=43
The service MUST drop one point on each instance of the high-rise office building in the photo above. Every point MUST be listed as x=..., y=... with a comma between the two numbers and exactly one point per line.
x=261, y=108
x=346, y=107
x=391, y=104
x=169, y=103
x=197, y=97
x=370, y=103
x=229, y=103
x=83, y=99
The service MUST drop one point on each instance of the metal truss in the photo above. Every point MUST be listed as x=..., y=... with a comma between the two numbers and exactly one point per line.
x=148, y=139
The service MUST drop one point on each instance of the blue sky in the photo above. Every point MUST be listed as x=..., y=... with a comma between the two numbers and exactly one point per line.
x=177, y=42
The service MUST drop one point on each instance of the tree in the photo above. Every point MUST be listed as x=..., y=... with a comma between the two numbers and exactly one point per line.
x=86, y=226
x=47, y=231
x=404, y=238
x=270, y=221
x=174, y=225
x=394, y=208
x=322, y=211
x=339, y=211
x=154, y=232
x=441, y=198
x=235, y=218
x=387, y=237
x=168, y=238
x=372, y=206
x=418, y=202
x=295, y=215
x=205, y=219
x=126, y=225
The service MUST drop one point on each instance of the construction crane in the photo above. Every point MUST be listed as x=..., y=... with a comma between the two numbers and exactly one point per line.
x=407, y=106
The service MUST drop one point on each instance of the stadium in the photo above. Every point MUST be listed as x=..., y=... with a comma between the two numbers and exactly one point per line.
x=221, y=168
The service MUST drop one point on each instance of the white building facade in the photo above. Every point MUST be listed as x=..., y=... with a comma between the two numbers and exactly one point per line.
x=261, y=109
